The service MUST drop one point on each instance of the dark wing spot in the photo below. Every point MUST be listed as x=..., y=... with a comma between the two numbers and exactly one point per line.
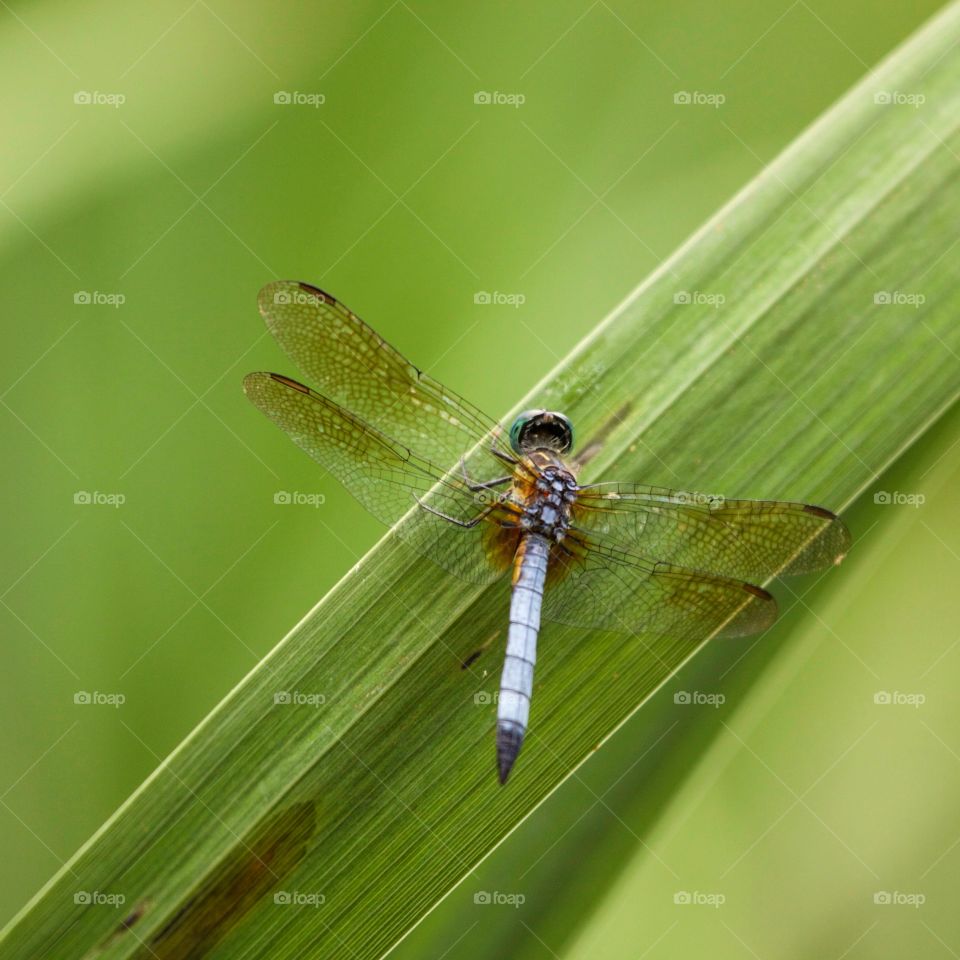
x=819, y=512
x=317, y=292
x=280, y=378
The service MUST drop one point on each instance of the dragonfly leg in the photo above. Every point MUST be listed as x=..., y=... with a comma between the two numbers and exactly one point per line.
x=486, y=484
x=460, y=523
x=505, y=457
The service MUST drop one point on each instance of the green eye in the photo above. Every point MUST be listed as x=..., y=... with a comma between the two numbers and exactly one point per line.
x=519, y=425
x=541, y=428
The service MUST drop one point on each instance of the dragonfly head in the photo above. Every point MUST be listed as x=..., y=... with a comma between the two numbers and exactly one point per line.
x=539, y=430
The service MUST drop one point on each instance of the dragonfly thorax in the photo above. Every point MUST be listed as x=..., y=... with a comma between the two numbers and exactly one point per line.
x=548, y=500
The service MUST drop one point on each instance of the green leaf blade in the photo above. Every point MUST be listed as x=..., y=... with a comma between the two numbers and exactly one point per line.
x=799, y=385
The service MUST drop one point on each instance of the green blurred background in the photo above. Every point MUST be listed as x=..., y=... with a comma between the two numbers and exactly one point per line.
x=799, y=798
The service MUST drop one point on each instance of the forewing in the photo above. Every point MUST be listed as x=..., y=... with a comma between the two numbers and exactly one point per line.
x=599, y=586
x=749, y=540
x=384, y=475
x=348, y=362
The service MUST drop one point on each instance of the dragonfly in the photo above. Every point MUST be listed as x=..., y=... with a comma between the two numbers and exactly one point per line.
x=482, y=501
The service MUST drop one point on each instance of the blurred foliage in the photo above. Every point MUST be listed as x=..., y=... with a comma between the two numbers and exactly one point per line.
x=403, y=200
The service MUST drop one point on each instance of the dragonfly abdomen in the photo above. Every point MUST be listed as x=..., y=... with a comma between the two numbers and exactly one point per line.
x=516, y=682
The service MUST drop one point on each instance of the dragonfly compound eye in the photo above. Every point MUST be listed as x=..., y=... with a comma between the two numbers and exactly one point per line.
x=541, y=430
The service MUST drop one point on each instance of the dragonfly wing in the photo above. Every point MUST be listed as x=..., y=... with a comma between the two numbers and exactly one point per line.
x=350, y=363
x=384, y=475
x=600, y=586
x=749, y=540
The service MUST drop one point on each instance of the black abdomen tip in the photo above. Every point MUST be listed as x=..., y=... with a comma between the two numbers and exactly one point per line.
x=509, y=741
